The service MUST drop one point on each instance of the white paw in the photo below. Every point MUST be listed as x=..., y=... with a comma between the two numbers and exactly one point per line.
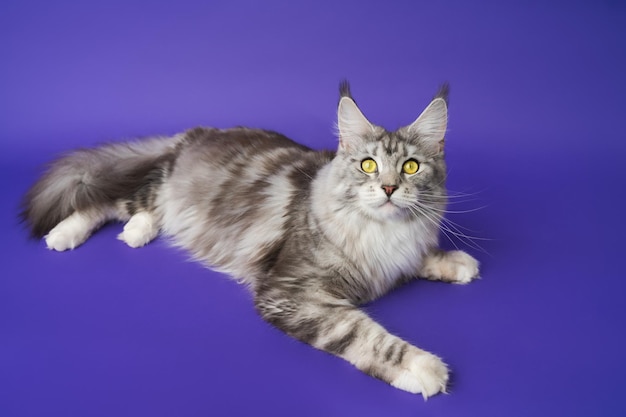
x=69, y=233
x=139, y=230
x=456, y=266
x=426, y=375
x=464, y=268
x=60, y=241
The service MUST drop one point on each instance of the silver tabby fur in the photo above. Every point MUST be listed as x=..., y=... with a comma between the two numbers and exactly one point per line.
x=310, y=232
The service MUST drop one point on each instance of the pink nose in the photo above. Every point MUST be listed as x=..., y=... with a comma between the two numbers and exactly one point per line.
x=389, y=189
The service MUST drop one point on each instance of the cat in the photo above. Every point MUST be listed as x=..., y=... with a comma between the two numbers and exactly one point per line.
x=312, y=233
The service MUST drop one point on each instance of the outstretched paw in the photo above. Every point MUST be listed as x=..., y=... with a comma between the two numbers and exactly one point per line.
x=455, y=266
x=425, y=374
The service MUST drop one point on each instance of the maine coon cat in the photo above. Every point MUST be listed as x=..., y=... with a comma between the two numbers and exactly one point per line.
x=312, y=233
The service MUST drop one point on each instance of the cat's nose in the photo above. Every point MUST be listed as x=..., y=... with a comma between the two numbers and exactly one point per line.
x=389, y=189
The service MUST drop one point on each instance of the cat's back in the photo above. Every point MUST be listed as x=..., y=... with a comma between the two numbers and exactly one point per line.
x=233, y=194
x=224, y=146
x=242, y=157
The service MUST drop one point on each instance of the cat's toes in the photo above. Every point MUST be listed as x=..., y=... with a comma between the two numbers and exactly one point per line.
x=60, y=240
x=134, y=237
x=465, y=267
x=455, y=266
x=139, y=231
x=70, y=232
x=426, y=374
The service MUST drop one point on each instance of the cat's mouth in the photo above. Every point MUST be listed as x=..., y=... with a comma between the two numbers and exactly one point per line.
x=389, y=206
x=393, y=209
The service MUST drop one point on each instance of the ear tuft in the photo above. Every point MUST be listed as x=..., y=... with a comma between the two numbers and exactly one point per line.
x=444, y=92
x=344, y=89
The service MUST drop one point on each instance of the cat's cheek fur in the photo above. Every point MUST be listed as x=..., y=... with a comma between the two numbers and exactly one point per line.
x=372, y=204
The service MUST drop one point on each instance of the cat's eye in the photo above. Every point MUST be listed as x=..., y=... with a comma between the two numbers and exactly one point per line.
x=369, y=166
x=410, y=167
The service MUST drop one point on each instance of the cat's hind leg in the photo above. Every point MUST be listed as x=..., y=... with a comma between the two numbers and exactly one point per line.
x=455, y=266
x=140, y=230
x=75, y=229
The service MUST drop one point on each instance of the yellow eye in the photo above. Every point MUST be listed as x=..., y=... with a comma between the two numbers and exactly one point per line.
x=369, y=166
x=410, y=167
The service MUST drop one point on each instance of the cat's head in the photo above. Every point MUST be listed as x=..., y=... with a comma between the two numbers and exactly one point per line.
x=393, y=174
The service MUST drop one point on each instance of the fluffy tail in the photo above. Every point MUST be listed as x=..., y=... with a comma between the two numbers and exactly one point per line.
x=94, y=178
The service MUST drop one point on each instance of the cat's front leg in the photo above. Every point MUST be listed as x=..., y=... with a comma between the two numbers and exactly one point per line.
x=337, y=327
x=454, y=266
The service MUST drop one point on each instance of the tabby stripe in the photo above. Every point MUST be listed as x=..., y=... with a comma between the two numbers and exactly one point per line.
x=340, y=345
x=377, y=344
x=308, y=330
x=390, y=351
x=401, y=353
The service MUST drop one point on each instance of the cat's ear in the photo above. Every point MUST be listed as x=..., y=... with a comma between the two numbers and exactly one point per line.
x=351, y=124
x=430, y=126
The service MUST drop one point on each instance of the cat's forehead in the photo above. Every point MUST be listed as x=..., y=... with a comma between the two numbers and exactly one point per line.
x=391, y=144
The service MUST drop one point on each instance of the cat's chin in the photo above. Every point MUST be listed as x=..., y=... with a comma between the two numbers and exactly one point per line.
x=388, y=211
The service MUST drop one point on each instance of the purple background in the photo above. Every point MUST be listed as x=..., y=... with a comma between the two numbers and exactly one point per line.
x=537, y=136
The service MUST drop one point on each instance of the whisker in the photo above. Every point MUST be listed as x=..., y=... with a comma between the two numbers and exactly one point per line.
x=467, y=229
x=457, y=226
x=461, y=193
x=449, y=227
x=418, y=212
x=457, y=211
x=434, y=218
x=433, y=198
x=304, y=173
